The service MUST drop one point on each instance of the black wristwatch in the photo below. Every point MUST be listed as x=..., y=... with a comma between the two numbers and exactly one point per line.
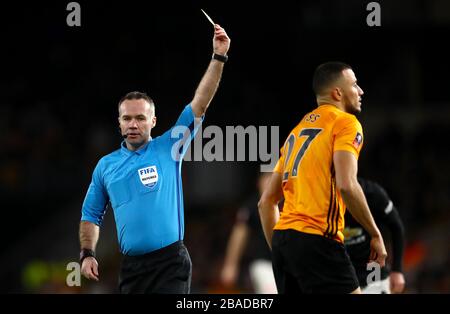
x=86, y=253
x=221, y=58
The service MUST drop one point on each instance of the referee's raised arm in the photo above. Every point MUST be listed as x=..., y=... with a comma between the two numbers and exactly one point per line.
x=210, y=81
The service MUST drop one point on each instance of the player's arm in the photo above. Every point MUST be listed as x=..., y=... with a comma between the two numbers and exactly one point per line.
x=210, y=81
x=89, y=234
x=268, y=205
x=346, y=168
x=235, y=249
x=396, y=227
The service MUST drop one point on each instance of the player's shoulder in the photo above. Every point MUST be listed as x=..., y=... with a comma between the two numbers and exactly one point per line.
x=346, y=117
x=347, y=120
x=331, y=114
x=308, y=118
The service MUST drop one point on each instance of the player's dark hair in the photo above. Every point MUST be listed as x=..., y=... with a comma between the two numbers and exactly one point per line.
x=136, y=96
x=326, y=74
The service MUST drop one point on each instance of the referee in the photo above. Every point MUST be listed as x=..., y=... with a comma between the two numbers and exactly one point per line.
x=142, y=182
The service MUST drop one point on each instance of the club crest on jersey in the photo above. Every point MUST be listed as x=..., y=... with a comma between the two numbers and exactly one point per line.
x=148, y=176
x=358, y=140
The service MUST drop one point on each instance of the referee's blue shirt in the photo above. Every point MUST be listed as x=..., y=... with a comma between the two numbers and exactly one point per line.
x=144, y=188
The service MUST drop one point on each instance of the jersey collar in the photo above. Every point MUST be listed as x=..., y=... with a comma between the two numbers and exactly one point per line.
x=140, y=151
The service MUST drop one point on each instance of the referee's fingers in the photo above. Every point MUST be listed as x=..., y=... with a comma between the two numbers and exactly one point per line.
x=95, y=269
x=90, y=269
x=220, y=34
x=84, y=269
x=91, y=275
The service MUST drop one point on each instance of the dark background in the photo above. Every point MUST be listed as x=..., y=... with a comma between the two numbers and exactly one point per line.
x=58, y=108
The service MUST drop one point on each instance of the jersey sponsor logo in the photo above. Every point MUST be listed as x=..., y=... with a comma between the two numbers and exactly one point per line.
x=148, y=176
x=358, y=140
x=353, y=236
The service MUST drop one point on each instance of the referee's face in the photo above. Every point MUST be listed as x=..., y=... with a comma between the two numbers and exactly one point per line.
x=351, y=92
x=136, y=120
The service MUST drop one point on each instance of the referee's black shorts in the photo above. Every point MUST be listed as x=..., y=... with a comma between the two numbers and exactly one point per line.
x=167, y=270
x=308, y=263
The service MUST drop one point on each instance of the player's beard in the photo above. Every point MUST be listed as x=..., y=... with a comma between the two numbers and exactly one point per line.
x=352, y=107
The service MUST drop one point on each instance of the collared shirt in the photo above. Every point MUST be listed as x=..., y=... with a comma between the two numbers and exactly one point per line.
x=144, y=188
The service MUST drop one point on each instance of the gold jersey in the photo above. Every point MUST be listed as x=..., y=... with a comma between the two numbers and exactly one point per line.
x=312, y=203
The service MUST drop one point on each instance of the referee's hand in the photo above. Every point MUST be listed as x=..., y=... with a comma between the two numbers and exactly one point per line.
x=89, y=268
x=221, y=41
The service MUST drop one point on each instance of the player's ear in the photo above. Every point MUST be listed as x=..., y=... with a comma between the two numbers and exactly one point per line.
x=153, y=122
x=336, y=93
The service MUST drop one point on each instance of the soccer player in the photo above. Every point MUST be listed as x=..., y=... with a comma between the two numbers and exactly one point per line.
x=247, y=239
x=358, y=246
x=142, y=182
x=317, y=176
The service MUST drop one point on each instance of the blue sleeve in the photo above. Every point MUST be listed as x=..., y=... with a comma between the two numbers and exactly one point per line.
x=184, y=131
x=94, y=205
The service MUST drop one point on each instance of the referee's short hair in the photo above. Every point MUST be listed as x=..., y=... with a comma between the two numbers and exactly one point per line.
x=326, y=74
x=135, y=96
